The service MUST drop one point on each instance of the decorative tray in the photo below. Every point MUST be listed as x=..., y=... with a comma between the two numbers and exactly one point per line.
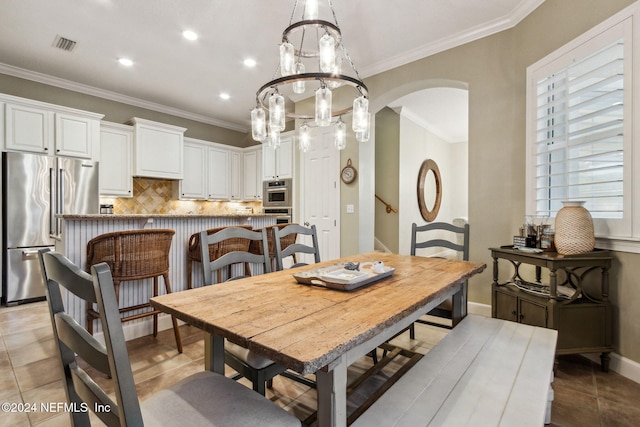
x=338, y=277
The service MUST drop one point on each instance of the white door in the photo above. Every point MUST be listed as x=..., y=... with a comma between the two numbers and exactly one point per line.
x=320, y=192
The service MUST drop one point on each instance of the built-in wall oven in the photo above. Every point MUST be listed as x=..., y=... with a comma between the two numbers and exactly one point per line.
x=283, y=215
x=277, y=194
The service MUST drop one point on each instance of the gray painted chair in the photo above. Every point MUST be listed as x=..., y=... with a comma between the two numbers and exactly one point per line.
x=287, y=235
x=202, y=399
x=296, y=248
x=259, y=370
x=454, y=308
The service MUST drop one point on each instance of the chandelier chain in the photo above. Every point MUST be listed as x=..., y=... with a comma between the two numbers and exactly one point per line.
x=344, y=49
x=293, y=12
x=277, y=70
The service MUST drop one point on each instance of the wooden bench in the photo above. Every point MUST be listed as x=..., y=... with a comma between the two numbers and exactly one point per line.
x=485, y=372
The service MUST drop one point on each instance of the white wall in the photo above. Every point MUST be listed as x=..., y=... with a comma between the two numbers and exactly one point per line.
x=416, y=145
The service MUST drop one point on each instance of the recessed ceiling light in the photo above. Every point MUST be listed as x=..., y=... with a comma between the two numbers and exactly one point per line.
x=189, y=35
x=250, y=62
x=225, y=96
x=125, y=61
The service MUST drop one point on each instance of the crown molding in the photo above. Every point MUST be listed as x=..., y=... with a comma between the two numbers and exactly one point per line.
x=504, y=23
x=421, y=122
x=114, y=96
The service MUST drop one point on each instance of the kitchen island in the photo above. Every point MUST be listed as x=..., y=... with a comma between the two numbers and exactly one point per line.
x=77, y=230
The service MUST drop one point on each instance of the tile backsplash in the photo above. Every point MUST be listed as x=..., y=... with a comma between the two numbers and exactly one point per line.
x=159, y=196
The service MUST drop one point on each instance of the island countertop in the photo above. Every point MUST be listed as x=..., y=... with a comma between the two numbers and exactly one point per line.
x=111, y=217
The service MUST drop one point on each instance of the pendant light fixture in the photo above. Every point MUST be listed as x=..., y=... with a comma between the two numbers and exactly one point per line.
x=307, y=45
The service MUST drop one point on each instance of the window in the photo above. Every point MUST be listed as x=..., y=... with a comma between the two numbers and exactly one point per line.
x=580, y=138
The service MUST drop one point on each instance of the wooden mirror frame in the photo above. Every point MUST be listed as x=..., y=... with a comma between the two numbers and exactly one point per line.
x=429, y=214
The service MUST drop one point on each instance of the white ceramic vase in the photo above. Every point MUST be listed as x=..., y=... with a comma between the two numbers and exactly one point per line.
x=574, y=229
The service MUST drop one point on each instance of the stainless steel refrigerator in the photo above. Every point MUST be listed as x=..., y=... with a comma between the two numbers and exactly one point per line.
x=35, y=189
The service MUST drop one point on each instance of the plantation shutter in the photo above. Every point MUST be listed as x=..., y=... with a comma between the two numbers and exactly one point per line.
x=579, y=135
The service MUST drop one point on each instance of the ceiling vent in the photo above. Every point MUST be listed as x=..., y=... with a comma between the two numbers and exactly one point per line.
x=64, y=43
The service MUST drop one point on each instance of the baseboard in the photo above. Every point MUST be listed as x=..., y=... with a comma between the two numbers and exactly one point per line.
x=479, y=309
x=380, y=247
x=621, y=365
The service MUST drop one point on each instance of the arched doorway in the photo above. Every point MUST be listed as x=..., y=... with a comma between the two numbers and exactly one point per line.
x=419, y=123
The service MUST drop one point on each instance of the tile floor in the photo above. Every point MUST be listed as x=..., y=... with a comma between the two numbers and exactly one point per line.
x=584, y=396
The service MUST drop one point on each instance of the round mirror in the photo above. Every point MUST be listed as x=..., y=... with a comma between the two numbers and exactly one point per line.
x=429, y=190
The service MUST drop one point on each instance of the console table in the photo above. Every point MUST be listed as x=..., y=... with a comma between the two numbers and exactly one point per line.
x=583, y=320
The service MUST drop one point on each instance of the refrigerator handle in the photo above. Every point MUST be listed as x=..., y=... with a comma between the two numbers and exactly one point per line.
x=60, y=208
x=53, y=202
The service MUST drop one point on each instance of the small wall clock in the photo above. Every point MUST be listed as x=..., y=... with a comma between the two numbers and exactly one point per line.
x=349, y=173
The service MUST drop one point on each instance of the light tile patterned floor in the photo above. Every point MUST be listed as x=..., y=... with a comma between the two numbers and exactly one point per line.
x=584, y=396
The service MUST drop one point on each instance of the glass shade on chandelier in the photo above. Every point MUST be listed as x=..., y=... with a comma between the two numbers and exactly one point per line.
x=310, y=10
x=276, y=112
x=304, y=136
x=327, y=47
x=274, y=138
x=340, y=135
x=360, y=114
x=311, y=60
x=299, y=86
x=323, y=106
x=258, y=124
x=363, y=135
x=287, y=59
x=337, y=70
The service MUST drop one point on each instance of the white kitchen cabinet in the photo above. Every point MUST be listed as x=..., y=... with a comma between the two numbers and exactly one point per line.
x=219, y=176
x=236, y=174
x=28, y=128
x=75, y=135
x=212, y=171
x=278, y=164
x=158, y=149
x=252, y=185
x=194, y=183
x=116, y=164
x=44, y=128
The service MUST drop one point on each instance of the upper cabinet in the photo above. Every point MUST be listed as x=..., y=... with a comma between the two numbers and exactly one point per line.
x=194, y=184
x=221, y=172
x=116, y=165
x=219, y=180
x=278, y=163
x=252, y=185
x=236, y=172
x=28, y=128
x=49, y=129
x=158, y=149
x=75, y=135
x=207, y=167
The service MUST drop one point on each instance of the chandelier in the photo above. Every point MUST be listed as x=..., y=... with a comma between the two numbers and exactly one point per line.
x=311, y=60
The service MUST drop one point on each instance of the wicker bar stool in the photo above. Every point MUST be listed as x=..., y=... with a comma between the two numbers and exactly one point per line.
x=134, y=255
x=194, y=253
x=285, y=241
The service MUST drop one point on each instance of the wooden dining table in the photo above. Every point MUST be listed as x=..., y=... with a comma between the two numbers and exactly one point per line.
x=315, y=329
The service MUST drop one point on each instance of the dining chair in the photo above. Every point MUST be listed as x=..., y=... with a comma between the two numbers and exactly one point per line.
x=256, y=247
x=259, y=370
x=281, y=235
x=201, y=399
x=444, y=240
x=193, y=250
x=134, y=255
